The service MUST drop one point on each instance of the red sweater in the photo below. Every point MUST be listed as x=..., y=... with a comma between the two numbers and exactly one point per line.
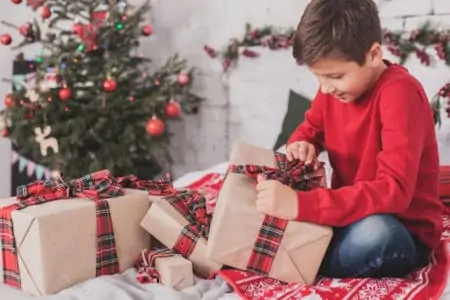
x=384, y=155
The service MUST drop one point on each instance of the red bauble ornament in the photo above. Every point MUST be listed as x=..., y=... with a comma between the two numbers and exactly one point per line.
x=25, y=29
x=6, y=39
x=16, y=1
x=9, y=101
x=4, y=132
x=77, y=28
x=183, y=78
x=155, y=127
x=173, y=109
x=65, y=94
x=147, y=30
x=110, y=85
x=46, y=12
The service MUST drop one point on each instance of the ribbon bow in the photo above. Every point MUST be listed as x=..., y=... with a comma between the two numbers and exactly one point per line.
x=161, y=187
x=295, y=174
x=96, y=186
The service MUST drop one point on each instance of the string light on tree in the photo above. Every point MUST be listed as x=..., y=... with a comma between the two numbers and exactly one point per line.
x=155, y=127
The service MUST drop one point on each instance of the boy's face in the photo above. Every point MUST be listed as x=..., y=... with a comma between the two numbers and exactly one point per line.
x=347, y=80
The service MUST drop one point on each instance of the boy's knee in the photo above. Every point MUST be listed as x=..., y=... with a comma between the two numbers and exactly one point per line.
x=375, y=232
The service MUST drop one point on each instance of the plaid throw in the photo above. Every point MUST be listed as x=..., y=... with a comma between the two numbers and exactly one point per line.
x=444, y=182
x=161, y=187
x=192, y=205
x=145, y=264
x=294, y=174
x=96, y=187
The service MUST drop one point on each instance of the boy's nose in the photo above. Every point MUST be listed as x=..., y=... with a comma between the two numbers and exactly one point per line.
x=326, y=89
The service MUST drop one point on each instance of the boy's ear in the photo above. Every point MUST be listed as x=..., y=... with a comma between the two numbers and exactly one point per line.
x=375, y=55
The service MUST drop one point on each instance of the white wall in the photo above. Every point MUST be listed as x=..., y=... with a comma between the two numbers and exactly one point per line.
x=262, y=84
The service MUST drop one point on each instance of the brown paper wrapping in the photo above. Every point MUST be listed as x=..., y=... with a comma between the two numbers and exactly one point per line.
x=236, y=224
x=56, y=241
x=175, y=272
x=165, y=223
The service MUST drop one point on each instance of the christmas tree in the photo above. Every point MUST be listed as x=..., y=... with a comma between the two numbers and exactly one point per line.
x=92, y=102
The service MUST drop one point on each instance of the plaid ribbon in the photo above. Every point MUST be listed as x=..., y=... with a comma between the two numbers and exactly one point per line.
x=295, y=174
x=96, y=187
x=161, y=187
x=145, y=264
x=192, y=205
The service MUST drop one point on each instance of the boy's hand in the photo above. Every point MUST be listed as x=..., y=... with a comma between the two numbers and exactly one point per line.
x=303, y=151
x=276, y=199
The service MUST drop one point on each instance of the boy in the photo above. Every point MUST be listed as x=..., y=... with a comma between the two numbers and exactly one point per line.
x=375, y=121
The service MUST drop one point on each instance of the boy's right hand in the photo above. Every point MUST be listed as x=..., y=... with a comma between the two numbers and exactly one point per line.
x=303, y=151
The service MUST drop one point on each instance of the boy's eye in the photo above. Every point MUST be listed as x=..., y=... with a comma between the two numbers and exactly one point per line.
x=336, y=76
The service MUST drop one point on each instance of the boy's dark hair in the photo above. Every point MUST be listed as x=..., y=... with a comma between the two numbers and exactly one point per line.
x=337, y=28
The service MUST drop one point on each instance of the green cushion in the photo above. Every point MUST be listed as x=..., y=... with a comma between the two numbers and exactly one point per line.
x=297, y=106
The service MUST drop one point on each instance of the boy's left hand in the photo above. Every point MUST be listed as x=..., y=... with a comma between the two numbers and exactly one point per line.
x=276, y=199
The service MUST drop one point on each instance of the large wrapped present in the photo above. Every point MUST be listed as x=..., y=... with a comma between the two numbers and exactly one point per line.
x=166, y=267
x=56, y=234
x=181, y=223
x=245, y=239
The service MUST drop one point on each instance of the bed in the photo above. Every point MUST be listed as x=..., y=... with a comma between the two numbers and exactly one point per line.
x=125, y=286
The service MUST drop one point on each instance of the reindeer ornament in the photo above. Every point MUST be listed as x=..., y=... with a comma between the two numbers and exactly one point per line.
x=45, y=141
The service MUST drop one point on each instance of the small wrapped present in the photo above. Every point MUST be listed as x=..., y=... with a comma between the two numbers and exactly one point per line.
x=166, y=267
x=181, y=223
x=245, y=239
x=56, y=234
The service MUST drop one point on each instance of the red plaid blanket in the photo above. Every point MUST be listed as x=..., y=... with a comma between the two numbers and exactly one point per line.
x=426, y=283
x=444, y=184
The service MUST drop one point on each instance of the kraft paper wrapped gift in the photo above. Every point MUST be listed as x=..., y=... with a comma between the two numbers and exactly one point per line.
x=165, y=267
x=62, y=241
x=245, y=239
x=181, y=223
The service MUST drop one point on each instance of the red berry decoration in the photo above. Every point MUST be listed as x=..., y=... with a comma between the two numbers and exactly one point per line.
x=9, y=101
x=6, y=39
x=25, y=29
x=173, y=109
x=16, y=1
x=46, y=12
x=4, y=132
x=147, y=30
x=65, y=94
x=77, y=28
x=183, y=78
x=155, y=127
x=110, y=85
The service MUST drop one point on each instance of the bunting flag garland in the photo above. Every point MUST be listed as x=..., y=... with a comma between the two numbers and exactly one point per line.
x=32, y=168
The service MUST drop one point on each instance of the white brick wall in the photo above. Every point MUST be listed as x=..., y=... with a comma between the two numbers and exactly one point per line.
x=257, y=90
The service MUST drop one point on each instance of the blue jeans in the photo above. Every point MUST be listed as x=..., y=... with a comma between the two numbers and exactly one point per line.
x=376, y=246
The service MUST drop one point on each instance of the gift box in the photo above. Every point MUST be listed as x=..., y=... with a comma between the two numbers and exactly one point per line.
x=56, y=234
x=245, y=239
x=181, y=223
x=166, y=267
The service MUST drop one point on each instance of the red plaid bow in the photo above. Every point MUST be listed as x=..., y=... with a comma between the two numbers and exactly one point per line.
x=192, y=205
x=298, y=176
x=161, y=187
x=145, y=264
x=89, y=32
x=96, y=186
